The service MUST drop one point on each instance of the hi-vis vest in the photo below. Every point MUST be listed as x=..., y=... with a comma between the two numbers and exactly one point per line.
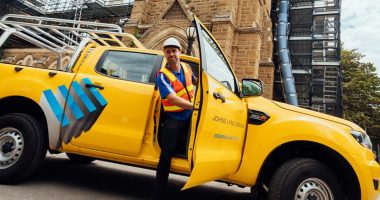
x=179, y=87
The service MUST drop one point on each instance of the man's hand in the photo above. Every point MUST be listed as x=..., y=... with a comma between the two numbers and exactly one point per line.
x=195, y=81
x=178, y=101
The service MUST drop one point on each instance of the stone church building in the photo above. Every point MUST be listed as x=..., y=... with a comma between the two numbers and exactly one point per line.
x=243, y=28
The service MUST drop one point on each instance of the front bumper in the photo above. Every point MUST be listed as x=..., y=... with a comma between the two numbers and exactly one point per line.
x=373, y=187
x=369, y=176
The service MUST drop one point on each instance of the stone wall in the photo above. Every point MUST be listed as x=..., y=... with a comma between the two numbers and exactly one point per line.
x=243, y=28
x=33, y=57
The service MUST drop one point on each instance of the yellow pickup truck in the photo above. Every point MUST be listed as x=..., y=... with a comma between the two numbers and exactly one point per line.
x=105, y=105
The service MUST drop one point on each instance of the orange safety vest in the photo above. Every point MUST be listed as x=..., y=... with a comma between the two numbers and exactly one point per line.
x=179, y=87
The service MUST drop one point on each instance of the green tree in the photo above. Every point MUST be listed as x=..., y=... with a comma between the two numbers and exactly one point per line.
x=361, y=93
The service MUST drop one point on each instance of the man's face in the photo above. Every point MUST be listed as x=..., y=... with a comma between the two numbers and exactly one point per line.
x=172, y=55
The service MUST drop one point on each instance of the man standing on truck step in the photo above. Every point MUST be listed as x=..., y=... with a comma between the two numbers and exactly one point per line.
x=175, y=83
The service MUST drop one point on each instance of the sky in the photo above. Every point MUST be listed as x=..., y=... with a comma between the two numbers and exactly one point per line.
x=360, y=28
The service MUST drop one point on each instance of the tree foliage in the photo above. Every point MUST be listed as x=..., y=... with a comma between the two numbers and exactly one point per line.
x=361, y=93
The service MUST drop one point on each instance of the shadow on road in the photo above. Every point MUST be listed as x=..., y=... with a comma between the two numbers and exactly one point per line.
x=122, y=182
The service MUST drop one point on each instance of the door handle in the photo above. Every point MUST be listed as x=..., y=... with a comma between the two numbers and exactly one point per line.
x=88, y=85
x=219, y=96
x=17, y=69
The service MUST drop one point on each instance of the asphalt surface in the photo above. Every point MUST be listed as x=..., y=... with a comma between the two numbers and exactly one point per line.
x=59, y=179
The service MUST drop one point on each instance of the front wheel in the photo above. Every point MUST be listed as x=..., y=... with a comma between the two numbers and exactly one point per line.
x=304, y=179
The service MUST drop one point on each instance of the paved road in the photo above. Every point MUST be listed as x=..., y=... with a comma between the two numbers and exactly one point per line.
x=59, y=179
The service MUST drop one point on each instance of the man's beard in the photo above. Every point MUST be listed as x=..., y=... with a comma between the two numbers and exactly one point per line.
x=172, y=62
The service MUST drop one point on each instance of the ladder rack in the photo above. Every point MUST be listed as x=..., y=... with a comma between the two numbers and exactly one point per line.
x=64, y=36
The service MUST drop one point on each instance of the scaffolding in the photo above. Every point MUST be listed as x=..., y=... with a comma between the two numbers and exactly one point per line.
x=314, y=45
x=62, y=36
x=88, y=10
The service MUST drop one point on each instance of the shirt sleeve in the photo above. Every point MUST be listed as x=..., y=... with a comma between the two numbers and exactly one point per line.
x=164, y=86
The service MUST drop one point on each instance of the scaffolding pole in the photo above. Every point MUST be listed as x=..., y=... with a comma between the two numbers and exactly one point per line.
x=314, y=47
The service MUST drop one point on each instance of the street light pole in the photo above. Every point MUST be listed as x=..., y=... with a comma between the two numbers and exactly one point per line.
x=190, y=34
x=189, y=46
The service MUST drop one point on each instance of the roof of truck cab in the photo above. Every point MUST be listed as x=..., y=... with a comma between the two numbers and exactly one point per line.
x=130, y=49
x=150, y=51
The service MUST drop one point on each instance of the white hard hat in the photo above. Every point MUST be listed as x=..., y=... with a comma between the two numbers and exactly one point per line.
x=172, y=42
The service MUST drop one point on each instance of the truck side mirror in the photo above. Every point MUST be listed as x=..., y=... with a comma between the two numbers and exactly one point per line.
x=252, y=87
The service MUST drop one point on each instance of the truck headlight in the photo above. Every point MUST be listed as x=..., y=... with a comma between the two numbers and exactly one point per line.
x=362, y=138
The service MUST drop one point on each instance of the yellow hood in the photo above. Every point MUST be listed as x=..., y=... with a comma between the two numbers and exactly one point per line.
x=319, y=115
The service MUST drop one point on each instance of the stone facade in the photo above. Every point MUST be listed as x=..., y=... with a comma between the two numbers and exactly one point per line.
x=243, y=28
x=33, y=57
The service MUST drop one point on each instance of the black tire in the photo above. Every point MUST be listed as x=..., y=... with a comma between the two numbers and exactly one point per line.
x=34, y=146
x=297, y=176
x=79, y=159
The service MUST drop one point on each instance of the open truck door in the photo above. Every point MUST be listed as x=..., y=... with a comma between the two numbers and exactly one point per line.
x=219, y=117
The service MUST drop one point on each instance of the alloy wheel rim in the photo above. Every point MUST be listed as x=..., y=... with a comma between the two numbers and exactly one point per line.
x=11, y=146
x=313, y=189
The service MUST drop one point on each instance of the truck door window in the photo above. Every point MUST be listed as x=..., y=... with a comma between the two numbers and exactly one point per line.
x=194, y=67
x=217, y=66
x=129, y=66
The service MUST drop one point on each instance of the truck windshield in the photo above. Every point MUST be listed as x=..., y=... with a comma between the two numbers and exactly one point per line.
x=217, y=65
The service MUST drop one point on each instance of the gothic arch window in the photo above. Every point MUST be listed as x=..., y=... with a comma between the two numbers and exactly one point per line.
x=157, y=39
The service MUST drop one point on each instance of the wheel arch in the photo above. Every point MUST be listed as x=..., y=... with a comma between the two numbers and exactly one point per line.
x=308, y=149
x=19, y=104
